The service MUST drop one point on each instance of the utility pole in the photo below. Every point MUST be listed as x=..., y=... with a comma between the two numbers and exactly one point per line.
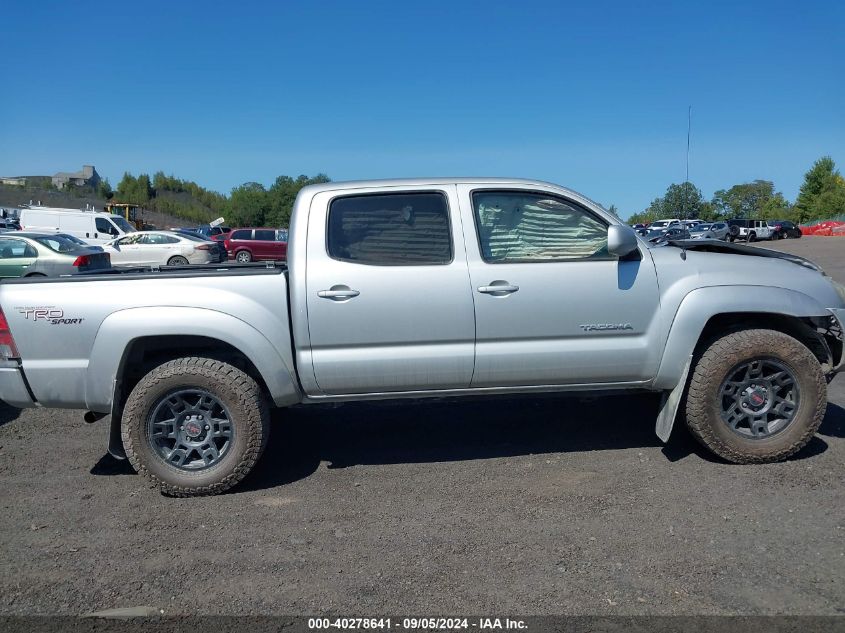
x=686, y=181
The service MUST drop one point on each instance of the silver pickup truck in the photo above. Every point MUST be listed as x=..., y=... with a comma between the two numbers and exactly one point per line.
x=435, y=287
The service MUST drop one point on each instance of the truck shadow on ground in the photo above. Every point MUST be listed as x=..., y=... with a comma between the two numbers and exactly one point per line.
x=7, y=413
x=438, y=430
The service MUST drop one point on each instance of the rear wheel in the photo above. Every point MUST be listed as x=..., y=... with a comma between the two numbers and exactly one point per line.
x=195, y=426
x=35, y=275
x=177, y=260
x=756, y=396
x=752, y=236
x=243, y=257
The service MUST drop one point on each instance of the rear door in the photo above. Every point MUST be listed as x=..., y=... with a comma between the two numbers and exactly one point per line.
x=16, y=257
x=264, y=245
x=552, y=306
x=388, y=298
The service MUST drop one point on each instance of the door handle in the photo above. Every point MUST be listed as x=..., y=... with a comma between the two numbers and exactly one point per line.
x=338, y=293
x=498, y=288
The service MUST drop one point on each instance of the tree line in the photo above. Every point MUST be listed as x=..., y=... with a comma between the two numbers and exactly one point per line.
x=250, y=204
x=822, y=196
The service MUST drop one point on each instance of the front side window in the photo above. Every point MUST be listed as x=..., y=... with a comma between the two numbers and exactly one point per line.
x=131, y=239
x=516, y=226
x=104, y=226
x=405, y=229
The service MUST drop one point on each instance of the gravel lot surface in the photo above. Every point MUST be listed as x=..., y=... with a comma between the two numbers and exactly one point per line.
x=506, y=506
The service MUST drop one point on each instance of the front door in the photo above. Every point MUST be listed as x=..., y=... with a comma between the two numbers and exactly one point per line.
x=388, y=296
x=552, y=307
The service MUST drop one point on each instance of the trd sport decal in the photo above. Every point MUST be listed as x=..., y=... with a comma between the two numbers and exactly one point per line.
x=54, y=316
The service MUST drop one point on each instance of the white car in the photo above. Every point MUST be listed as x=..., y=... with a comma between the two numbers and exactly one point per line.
x=664, y=224
x=162, y=248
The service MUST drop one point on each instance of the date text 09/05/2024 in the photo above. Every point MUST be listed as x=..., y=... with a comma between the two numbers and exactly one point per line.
x=482, y=624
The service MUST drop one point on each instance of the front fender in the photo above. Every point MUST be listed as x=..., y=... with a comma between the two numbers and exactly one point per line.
x=700, y=305
x=120, y=328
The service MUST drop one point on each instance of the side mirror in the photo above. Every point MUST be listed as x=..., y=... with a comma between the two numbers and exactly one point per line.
x=621, y=240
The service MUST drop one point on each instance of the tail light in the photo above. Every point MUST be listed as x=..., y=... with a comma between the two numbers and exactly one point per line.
x=82, y=260
x=7, y=343
x=205, y=247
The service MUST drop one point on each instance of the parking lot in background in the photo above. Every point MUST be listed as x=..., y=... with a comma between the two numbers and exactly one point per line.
x=518, y=505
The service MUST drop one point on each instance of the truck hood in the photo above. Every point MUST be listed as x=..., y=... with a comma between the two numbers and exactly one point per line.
x=685, y=265
x=718, y=246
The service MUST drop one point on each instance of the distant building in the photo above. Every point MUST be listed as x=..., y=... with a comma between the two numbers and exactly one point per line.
x=88, y=177
x=18, y=181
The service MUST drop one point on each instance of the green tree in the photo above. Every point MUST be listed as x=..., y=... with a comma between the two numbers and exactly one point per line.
x=104, y=189
x=683, y=201
x=823, y=192
x=249, y=205
x=756, y=200
x=282, y=195
x=135, y=190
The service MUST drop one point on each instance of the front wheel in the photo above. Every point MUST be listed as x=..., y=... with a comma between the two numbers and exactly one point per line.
x=756, y=396
x=195, y=426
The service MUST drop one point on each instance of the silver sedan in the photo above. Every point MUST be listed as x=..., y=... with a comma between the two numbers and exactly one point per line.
x=24, y=254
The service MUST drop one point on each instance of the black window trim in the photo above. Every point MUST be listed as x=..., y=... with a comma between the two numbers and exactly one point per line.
x=539, y=192
x=401, y=192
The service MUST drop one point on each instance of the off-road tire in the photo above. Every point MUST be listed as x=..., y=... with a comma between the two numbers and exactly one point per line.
x=178, y=260
x=247, y=407
x=752, y=237
x=703, y=403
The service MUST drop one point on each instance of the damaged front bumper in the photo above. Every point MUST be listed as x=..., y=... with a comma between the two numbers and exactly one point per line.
x=834, y=335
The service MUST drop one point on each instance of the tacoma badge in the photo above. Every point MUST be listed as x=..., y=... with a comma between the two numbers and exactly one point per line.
x=591, y=327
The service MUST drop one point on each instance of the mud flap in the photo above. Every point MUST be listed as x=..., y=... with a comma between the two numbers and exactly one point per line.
x=115, y=440
x=669, y=404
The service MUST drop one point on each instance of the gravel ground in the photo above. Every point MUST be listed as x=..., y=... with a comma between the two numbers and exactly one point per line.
x=541, y=505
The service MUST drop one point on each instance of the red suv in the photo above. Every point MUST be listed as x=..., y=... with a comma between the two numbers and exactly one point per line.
x=251, y=244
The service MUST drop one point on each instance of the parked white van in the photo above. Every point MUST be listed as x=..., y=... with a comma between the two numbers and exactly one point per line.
x=95, y=227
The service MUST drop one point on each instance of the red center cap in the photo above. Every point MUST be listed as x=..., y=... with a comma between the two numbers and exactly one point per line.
x=757, y=399
x=193, y=428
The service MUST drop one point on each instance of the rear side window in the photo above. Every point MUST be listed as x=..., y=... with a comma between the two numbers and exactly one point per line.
x=407, y=229
x=15, y=249
x=240, y=235
x=266, y=235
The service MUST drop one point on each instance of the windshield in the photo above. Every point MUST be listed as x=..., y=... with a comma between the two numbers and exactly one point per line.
x=122, y=224
x=700, y=228
x=659, y=224
x=57, y=243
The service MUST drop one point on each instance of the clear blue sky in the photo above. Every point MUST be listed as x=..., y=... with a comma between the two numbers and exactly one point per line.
x=592, y=95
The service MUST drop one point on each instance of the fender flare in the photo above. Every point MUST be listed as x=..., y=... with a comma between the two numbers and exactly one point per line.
x=121, y=328
x=700, y=305
x=695, y=310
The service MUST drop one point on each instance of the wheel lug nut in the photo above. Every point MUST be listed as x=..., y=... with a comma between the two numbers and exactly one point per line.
x=207, y=427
